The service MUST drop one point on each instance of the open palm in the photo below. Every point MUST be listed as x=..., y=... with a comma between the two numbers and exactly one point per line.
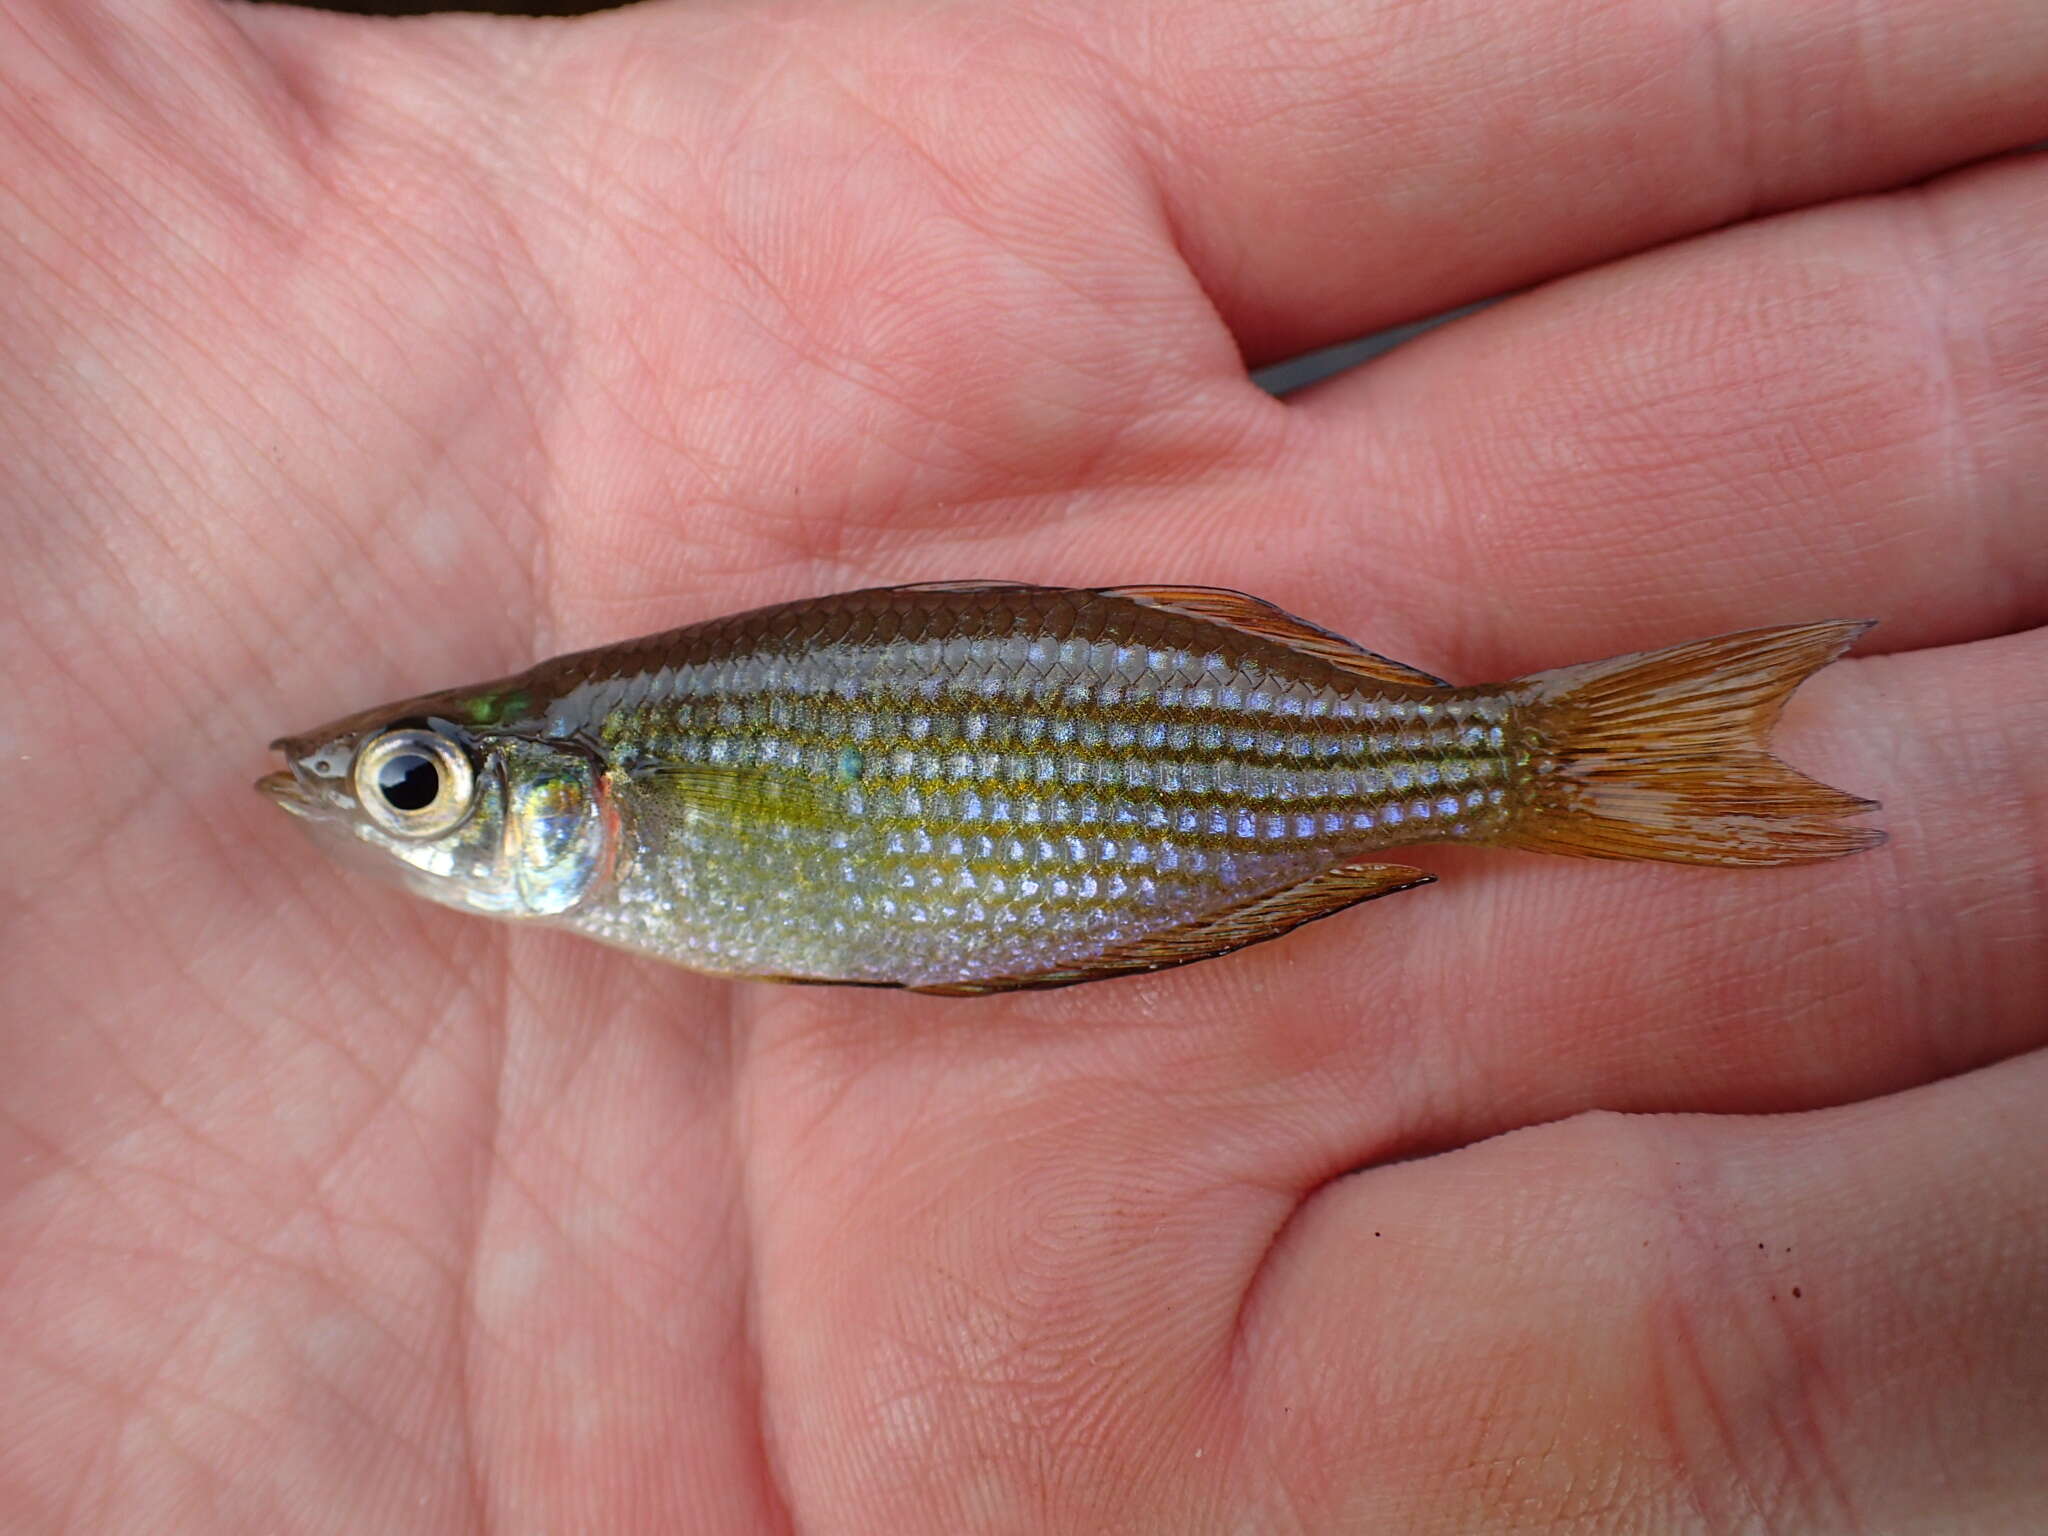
x=341, y=360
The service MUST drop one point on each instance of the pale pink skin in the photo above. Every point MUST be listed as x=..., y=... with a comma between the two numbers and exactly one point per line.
x=341, y=360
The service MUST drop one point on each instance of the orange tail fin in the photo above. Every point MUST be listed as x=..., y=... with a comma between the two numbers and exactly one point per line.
x=1662, y=755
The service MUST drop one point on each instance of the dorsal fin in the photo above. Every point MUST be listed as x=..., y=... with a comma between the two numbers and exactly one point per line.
x=987, y=585
x=1265, y=917
x=1254, y=616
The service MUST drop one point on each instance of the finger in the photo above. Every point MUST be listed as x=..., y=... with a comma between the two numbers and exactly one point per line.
x=1842, y=411
x=1524, y=988
x=1328, y=172
x=1825, y=1322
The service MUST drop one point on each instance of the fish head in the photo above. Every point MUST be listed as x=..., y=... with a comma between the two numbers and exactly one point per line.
x=499, y=822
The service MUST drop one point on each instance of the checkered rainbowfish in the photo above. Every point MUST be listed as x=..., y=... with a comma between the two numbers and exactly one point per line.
x=975, y=786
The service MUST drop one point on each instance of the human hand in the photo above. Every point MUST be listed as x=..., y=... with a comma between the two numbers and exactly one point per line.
x=340, y=360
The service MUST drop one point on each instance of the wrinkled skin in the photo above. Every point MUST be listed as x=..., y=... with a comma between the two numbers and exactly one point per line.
x=340, y=360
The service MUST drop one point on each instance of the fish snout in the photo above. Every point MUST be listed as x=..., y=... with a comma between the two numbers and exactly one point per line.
x=284, y=788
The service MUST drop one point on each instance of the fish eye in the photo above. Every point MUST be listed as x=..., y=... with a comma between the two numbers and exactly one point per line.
x=414, y=783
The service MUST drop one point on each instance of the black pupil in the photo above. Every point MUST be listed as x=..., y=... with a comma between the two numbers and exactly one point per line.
x=409, y=781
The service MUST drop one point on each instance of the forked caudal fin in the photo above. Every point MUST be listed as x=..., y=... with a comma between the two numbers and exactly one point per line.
x=1662, y=755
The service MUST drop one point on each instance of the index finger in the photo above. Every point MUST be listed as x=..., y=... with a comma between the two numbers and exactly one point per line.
x=1329, y=170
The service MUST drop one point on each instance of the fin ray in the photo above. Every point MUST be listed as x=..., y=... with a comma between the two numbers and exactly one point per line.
x=730, y=794
x=968, y=584
x=1217, y=933
x=1662, y=755
x=1255, y=616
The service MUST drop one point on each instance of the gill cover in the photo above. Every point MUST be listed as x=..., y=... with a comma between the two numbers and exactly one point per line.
x=557, y=835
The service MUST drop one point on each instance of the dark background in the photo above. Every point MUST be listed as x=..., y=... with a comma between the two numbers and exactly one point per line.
x=501, y=7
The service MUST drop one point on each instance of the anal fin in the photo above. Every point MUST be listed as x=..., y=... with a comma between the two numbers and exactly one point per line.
x=1217, y=933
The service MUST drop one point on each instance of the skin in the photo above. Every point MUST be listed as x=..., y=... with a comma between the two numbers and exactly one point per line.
x=340, y=360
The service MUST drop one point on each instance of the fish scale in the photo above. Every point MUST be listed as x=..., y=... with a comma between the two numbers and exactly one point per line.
x=973, y=787
x=1119, y=769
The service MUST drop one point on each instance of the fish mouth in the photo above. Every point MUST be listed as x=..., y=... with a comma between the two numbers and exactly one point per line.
x=304, y=787
x=286, y=790
x=291, y=788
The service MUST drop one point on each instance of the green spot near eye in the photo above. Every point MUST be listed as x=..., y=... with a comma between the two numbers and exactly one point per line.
x=849, y=764
x=491, y=708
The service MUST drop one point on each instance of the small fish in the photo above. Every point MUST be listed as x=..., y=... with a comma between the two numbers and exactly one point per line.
x=967, y=787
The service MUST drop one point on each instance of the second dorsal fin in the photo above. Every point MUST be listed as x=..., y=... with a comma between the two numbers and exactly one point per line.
x=1255, y=616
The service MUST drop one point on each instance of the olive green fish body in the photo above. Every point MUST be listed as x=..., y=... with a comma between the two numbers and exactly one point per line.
x=925, y=787
x=975, y=786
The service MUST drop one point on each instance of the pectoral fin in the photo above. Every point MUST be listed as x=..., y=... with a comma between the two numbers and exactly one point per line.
x=1218, y=933
x=736, y=796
